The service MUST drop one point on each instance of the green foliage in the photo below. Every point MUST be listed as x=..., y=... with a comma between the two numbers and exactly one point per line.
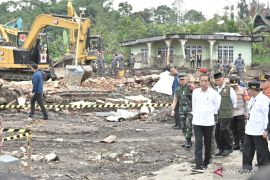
x=123, y=24
x=193, y=16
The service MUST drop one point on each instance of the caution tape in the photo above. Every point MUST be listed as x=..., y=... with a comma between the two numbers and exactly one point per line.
x=12, y=130
x=109, y=105
x=14, y=137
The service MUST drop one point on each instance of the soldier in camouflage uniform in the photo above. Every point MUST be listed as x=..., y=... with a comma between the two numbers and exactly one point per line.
x=131, y=63
x=100, y=64
x=183, y=96
x=114, y=68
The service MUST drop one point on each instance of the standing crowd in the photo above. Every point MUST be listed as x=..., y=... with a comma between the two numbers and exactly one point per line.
x=235, y=117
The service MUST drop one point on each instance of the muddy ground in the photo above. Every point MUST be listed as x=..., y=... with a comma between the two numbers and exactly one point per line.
x=144, y=146
x=141, y=147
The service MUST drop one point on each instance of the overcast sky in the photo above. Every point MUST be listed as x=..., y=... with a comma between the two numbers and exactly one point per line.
x=208, y=7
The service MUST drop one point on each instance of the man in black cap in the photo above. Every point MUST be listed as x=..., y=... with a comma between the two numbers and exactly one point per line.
x=183, y=96
x=239, y=114
x=37, y=92
x=265, y=84
x=223, y=133
x=255, y=139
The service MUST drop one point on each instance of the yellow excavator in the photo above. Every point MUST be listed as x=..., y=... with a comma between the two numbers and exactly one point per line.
x=15, y=61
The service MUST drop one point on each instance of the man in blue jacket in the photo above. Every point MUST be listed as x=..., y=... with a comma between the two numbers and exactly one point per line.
x=37, y=92
x=175, y=85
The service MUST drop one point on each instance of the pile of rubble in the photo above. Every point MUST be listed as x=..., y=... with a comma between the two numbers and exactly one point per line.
x=111, y=84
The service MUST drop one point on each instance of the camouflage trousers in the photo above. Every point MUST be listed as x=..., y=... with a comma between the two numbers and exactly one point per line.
x=186, y=122
x=100, y=70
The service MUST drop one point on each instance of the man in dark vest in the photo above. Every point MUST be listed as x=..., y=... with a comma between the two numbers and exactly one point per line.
x=223, y=133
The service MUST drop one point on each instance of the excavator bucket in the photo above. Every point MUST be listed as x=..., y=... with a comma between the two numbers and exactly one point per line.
x=75, y=75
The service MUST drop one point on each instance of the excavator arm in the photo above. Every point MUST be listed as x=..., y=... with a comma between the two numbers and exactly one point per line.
x=5, y=31
x=72, y=13
x=45, y=20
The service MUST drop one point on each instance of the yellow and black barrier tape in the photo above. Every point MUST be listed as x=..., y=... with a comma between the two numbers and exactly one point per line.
x=14, y=130
x=89, y=106
x=18, y=136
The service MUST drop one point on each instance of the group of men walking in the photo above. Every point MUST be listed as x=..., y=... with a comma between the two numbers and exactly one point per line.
x=236, y=117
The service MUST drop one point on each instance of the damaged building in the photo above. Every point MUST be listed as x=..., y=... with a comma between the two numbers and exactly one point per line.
x=177, y=49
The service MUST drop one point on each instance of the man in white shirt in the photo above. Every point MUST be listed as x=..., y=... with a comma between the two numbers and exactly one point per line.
x=256, y=128
x=223, y=132
x=205, y=102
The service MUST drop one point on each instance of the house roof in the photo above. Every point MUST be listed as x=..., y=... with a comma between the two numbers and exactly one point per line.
x=217, y=36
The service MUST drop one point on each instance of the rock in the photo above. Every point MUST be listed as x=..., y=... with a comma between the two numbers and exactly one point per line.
x=122, y=115
x=109, y=139
x=59, y=139
x=110, y=156
x=3, y=100
x=23, y=149
x=51, y=157
x=128, y=162
x=94, y=157
x=147, y=109
x=16, y=154
x=37, y=158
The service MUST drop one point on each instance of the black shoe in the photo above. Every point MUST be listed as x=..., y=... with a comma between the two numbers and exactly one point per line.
x=226, y=152
x=45, y=118
x=189, y=144
x=198, y=169
x=184, y=144
x=241, y=148
x=236, y=147
x=219, y=153
x=31, y=115
x=205, y=165
x=177, y=127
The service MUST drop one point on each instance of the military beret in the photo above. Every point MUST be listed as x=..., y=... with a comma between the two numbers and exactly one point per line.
x=253, y=85
x=234, y=80
x=218, y=75
x=264, y=77
x=203, y=70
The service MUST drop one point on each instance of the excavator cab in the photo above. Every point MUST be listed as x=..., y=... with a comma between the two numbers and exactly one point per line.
x=21, y=37
x=95, y=44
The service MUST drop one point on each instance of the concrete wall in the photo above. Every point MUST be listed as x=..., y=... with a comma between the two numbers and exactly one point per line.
x=156, y=62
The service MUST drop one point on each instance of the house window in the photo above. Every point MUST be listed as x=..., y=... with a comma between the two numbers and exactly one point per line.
x=193, y=49
x=144, y=56
x=225, y=53
x=163, y=53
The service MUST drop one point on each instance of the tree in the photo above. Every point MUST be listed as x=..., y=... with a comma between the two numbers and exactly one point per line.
x=164, y=14
x=146, y=15
x=125, y=8
x=243, y=11
x=193, y=16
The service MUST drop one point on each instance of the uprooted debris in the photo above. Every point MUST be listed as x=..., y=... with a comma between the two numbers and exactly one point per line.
x=122, y=115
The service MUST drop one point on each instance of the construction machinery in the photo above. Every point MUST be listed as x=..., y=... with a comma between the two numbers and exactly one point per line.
x=10, y=28
x=15, y=61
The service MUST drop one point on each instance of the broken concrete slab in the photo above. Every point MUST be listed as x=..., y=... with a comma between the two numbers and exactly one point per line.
x=109, y=139
x=138, y=99
x=51, y=157
x=104, y=114
x=147, y=109
x=122, y=115
x=116, y=101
